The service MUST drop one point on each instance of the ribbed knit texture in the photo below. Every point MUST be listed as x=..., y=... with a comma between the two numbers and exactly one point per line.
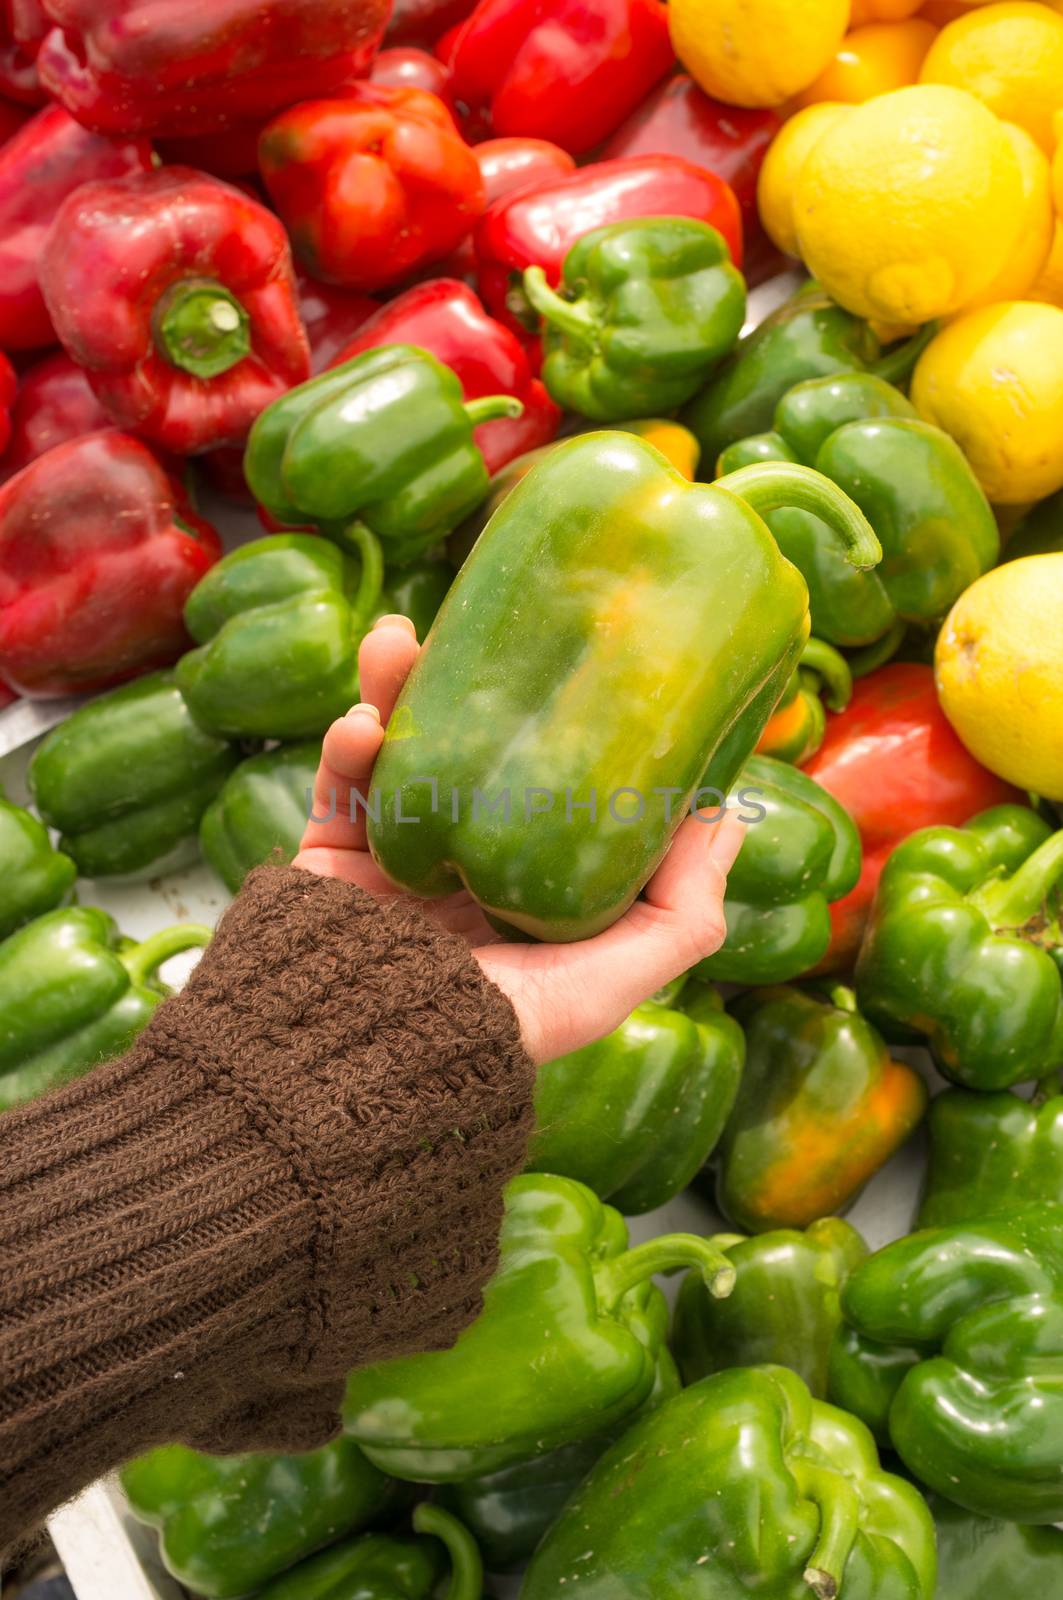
x=296, y=1169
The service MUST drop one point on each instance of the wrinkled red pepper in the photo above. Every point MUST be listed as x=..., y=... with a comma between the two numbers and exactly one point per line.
x=54, y=403
x=537, y=224
x=424, y=21
x=170, y=67
x=177, y=295
x=8, y=387
x=893, y=761
x=564, y=70
x=18, y=51
x=445, y=318
x=407, y=67
x=99, y=550
x=505, y=166
x=371, y=187
x=48, y=158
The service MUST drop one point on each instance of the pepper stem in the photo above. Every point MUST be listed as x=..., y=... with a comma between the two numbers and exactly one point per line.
x=839, y=1520
x=141, y=960
x=898, y=363
x=572, y=319
x=363, y=542
x=202, y=328
x=842, y=998
x=466, y=1564
x=831, y=666
x=1016, y=901
x=861, y=662
x=772, y=485
x=490, y=406
x=617, y=1276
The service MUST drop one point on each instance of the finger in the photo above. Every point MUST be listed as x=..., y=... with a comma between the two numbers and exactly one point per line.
x=702, y=854
x=352, y=866
x=349, y=749
x=385, y=657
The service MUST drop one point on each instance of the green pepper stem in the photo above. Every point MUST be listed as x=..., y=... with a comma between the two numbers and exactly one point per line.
x=772, y=485
x=831, y=666
x=363, y=542
x=490, y=406
x=466, y=1565
x=839, y=1521
x=842, y=998
x=1015, y=901
x=202, y=328
x=618, y=1275
x=861, y=662
x=898, y=363
x=572, y=319
x=142, y=959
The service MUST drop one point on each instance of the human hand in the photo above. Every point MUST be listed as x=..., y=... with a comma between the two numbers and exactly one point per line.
x=564, y=995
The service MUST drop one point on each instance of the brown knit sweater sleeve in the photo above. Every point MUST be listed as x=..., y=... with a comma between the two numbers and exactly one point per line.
x=296, y=1169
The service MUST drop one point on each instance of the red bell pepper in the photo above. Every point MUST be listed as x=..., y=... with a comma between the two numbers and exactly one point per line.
x=538, y=224
x=8, y=387
x=99, y=550
x=407, y=67
x=176, y=293
x=12, y=118
x=505, y=166
x=893, y=761
x=18, y=57
x=331, y=317
x=422, y=22
x=48, y=158
x=373, y=186
x=230, y=155
x=564, y=70
x=175, y=68
x=445, y=318
x=54, y=403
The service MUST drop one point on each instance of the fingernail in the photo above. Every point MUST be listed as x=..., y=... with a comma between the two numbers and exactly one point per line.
x=364, y=709
x=391, y=619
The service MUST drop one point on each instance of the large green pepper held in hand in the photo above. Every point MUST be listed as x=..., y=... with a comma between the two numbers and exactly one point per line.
x=741, y=1485
x=73, y=993
x=381, y=1566
x=635, y=1115
x=278, y=623
x=963, y=947
x=616, y=638
x=801, y=852
x=644, y=311
x=260, y=812
x=784, y=1310
x=990, y=1153
x=228, y=1524
x=913, y=483
x=127, y=777
x=383, y=442
x=973, y=1315
x=34, y=876
x=565, y=1346
x=983, y=1556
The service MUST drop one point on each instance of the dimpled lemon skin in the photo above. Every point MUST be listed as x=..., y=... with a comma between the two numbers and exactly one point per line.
x=994, y=380
x=999, y=672
x=907, y=209
x=756, y=52
x=785, y=158
x=1011, y=57
x=1031, y=247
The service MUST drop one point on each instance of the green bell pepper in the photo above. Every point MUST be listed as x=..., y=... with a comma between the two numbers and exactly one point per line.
x=567, y=1341
x=980, y=1556
x=989, y=1153
x=73, y=993
x=228, y=1524
x=801, y=851
x=416, y=591
x=784, y=1310
x=645, y=311
x=963, y=945
x=382, y=443
x=635, y=1115
x=807, y=337
x=795, y=729
x=616, y=639
x=34, y=876
x=1039, y=532
x=821, y=1107
x=260, y=812
x=379, y=1566
x=913, y=483
x=126, y=779
x=278, y=622
x=971, y=1317
x=741, y=1485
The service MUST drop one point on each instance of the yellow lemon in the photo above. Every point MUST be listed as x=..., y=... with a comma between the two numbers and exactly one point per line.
x=1011, y=57
x=908, y=208
x=1057, y=162
x=1036, y=224
x=784, y=160
x=994, y=380
x=999, y=671
x=873, y=60
x=882, y=11
x=1049, y=285
x=756, y=52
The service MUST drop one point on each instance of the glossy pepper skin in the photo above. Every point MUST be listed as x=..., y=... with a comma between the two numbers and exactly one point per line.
x=741, y=1484
x=331, y=317
x=975, y=1409
x=229, y=1524
x=371, y=187
x=568, y=71
x=34, y=877
x=126, y=778
x=909, y=478
x=386, y=438
x=260, y=812
x=378, y=1566
x=570, y=1332
x=962, y=946
x=18, y=66
x=73, y=993
x=979, y=1556
x=645, y=310
x=423, y=22
x=445, y=318
x=635, y=1115
x=580, y=590
x=506, y=165
x=124, y=66
x=99, y=550
x=8, y=390
x=989, y=1153
x=801, y=851
x=821, y=1108
x=41, y=166
x=784, y=1309
x=798, y=724
x=538, y=225
x=176, y=293
x=54, y=403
